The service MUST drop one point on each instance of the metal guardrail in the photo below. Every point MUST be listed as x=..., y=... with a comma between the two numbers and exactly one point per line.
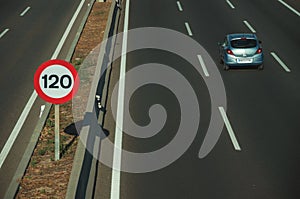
x=81, y=182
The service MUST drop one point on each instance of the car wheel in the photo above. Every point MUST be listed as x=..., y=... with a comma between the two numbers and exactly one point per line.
x=225, y=67
x=261, y=67
x=221, y=61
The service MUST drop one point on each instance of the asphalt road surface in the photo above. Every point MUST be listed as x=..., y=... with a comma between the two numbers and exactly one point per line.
x=258, y=153
x=30, y=32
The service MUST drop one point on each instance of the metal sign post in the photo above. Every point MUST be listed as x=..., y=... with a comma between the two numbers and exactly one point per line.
x=56, y=116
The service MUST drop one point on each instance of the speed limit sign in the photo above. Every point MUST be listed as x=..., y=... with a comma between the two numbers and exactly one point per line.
x=56, y=81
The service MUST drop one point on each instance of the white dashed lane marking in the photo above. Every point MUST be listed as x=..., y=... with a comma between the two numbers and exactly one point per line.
x=229, y=129
x=4, y=32
x=203, y=65
x=179, y=6
x=290, y=7
x=282, y=64
x=230, y=4
x=25, y=11
x=188, y=28
x=249, y=26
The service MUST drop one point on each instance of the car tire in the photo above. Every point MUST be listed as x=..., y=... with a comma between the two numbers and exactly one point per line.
x=225, y=67
x=221, y=61
x=260, y=67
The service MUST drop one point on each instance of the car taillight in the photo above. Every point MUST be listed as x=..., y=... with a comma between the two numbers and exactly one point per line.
x=229, y=51
x=258, y=51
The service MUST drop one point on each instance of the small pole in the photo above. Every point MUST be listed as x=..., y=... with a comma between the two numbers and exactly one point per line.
x=56, y=115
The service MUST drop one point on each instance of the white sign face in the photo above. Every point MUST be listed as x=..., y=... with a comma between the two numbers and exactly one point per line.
x=56, y=81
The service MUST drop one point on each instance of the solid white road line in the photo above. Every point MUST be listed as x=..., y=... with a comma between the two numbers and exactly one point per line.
x=203, y=65
x=188, y=28
x=249, y=26
x=230, y=4
x=229, y=129
x=179, y=6
x=15, y=132
x=4, y=32
x=25, y=11
x=116, y=170
x=282, y=64
x=66, y=33
x=290, y=7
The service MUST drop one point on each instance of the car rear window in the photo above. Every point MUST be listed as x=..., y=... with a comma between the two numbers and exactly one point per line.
x=243, y=43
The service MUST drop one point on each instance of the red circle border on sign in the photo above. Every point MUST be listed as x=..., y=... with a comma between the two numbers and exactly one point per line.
x=45, y=97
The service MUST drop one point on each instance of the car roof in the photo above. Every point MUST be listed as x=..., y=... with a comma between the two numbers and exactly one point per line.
x=241, y=35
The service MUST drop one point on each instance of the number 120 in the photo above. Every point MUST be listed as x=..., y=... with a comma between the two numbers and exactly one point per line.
x=65, y=81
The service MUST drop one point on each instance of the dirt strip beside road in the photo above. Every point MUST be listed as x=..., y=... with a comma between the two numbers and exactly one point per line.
x=44, y=177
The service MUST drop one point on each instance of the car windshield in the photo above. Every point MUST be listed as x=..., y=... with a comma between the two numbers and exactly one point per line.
x=243, y=43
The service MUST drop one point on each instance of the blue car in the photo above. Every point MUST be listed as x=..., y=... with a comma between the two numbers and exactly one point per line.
x=241, y=50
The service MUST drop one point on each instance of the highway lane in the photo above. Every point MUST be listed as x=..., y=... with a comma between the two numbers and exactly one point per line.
x=31, y=40
x=262, y=105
